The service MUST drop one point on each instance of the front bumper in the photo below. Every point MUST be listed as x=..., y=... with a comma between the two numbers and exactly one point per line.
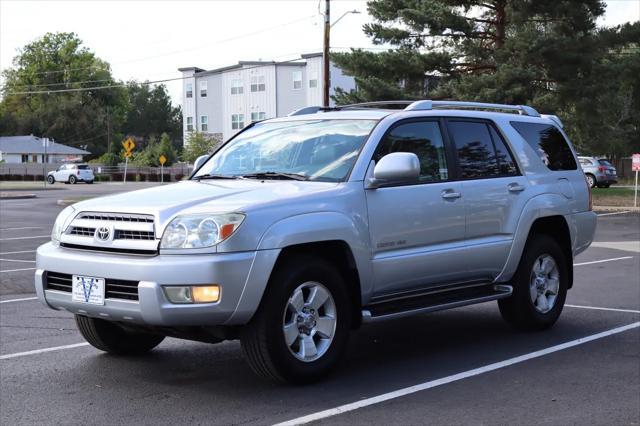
x=242, y=276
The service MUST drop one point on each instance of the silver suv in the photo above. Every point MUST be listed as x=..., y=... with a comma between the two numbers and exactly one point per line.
x=299, y=229
x=598, y=171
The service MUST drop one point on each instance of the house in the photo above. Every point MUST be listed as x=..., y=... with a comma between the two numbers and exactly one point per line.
x=222, y=101
x=32, y=149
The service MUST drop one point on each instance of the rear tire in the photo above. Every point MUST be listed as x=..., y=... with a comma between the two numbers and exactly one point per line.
x=89, y=182
x=51, y=180
x=591, y=180
x=72, y=179
x=539, y=286
x=292, y=337
x=112, y=338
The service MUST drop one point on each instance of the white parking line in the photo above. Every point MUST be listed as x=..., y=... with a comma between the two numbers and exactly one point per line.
x=23, y=227
x=597, y=308
x=603, y=260
x=454, y=378
x=17, y=252
x=25, y=238
x=39, y=351
x=18, y=260
x=611, y=214
x=23, y=299
x=16, y=270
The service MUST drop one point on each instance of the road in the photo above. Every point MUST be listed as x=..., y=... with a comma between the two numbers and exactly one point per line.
x=463, y=366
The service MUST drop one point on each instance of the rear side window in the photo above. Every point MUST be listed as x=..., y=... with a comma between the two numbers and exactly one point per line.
x=83, y=167
x=604, y=163
x=547, y=141
x=481, y=151
x=422, y=138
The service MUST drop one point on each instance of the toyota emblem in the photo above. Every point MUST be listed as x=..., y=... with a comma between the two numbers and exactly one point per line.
x=103, y=233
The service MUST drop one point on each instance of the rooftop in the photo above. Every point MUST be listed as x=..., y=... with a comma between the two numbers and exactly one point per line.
x=241, y=64
x=34, y=145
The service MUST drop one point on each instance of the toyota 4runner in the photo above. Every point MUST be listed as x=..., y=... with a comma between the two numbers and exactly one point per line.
x=299, y=229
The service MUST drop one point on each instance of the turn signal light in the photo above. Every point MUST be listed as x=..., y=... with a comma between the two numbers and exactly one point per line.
x=193, y=294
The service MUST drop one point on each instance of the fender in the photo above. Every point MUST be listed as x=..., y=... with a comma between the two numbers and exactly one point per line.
x=542, y=205
x=324, y=226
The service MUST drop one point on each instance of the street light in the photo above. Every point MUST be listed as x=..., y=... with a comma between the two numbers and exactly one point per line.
x=325, y=51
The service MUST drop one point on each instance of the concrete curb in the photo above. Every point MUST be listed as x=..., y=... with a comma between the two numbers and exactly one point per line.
x=616, y=208
x=66, y=202
x=18, y=196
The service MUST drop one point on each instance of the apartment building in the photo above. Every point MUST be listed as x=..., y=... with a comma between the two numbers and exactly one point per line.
x=222, y=101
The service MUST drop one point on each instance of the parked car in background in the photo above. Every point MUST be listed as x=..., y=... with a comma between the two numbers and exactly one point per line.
x=71, y=173
x=599, y=172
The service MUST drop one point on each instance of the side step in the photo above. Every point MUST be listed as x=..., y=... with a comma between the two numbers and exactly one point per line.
x=434, y=302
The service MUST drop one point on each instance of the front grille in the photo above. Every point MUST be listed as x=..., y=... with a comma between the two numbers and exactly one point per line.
x=133, y=235
x=114, y=289
x=116, y=217
x=82, y=231
x=110, y=249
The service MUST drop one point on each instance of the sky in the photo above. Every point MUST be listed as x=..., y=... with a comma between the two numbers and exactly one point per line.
x=150, y=40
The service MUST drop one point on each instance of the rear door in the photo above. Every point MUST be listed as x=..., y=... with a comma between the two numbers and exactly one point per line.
x=494, y=193
x=416, y=229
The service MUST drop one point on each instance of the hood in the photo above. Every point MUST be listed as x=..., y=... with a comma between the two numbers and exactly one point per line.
x=211, y=196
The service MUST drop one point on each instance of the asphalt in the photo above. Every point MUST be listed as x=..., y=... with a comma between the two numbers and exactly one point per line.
x=597, y=382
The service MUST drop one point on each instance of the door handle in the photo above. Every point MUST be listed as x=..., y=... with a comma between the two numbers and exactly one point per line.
x=449, y=194
x=515, y=187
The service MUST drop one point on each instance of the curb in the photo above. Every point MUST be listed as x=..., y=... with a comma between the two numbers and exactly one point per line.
x=19, y=196
x=66, y=202
x=616, y=208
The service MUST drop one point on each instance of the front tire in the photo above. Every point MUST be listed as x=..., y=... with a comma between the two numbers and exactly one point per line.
x=301, y=328
x=51, y=180
x=72, y=179
x=112, y=338
x=539, y=286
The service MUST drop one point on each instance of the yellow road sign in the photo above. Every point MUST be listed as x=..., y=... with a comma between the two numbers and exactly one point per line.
x=128, y=154
x=129, y=144
x=162, y=159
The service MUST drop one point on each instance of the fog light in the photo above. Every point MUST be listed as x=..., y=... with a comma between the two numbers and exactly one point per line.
x=193, y=294
x=205, y=293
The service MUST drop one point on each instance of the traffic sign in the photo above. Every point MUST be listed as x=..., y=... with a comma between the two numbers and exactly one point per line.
x=635, y=163
x=162, y=159
x=128, y=154
x=129, y=144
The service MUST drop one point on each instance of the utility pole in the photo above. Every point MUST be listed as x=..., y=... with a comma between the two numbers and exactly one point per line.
x=108, y=128
x=325, y=54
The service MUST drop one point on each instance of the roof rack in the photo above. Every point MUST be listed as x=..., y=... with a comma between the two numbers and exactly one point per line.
x=428, y=104
x=423, y=106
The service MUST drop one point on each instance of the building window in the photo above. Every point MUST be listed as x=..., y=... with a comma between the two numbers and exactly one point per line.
x=25, y=158
x=297, y=80
x=237, y=87
x=237, y=121
x=34, y=158
x=189, y=90
x=257, y=83
x=204, y=123
x=189, y=124
x=313, y=80
x=257, y=116
x=203, y=89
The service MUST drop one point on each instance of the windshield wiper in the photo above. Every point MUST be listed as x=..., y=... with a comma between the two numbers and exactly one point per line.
x=216, y=176
x=276, y=175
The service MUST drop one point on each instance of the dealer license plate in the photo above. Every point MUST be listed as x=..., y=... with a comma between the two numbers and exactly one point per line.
x=88, y=290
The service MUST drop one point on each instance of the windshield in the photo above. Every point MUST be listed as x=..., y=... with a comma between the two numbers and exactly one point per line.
x=323, y=150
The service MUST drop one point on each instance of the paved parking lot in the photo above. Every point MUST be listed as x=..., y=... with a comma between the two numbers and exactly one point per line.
x=463, y=366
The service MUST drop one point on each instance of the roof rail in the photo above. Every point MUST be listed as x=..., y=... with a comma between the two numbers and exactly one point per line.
x=305, y=110
x=377, y=104
x=428, y=104
x=554, y=118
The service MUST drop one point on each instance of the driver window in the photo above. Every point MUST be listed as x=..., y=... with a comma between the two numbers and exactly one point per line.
x=422, y=138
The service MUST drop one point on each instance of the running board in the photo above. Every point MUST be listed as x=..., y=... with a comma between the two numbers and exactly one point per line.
x=435, y=302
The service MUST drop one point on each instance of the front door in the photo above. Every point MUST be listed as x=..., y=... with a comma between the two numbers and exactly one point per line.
x=416, y=229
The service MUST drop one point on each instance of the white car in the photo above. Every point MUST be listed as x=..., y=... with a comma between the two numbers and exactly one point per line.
x=71, y=173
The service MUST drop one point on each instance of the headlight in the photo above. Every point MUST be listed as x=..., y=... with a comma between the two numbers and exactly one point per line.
x=60, y=224
x=200, y=230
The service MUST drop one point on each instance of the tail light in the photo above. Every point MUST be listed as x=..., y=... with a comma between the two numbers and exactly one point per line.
x=602, y=169
x=78, y=172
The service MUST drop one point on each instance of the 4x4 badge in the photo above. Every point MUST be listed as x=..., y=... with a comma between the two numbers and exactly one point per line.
x=103, y=233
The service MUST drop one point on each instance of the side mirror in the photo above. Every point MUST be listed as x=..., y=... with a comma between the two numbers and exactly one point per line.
x=395, y=167
x=199, y=161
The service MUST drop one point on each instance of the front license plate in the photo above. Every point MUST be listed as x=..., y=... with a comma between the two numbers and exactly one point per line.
x=88, y=290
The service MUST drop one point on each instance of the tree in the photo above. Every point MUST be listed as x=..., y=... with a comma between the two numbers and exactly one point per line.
x=150, y=113
x=199, y=144
x=78, y=118
x=545, y=53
